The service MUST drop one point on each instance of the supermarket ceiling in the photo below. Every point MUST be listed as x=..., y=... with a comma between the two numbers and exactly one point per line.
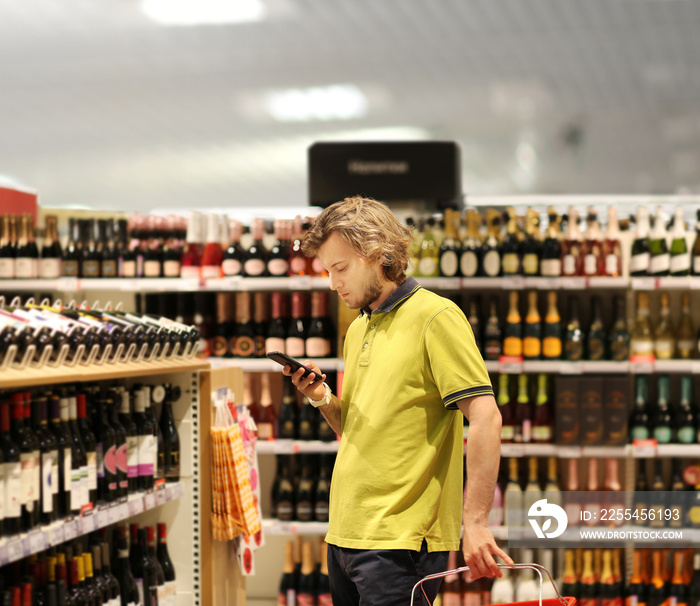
x=102, y=106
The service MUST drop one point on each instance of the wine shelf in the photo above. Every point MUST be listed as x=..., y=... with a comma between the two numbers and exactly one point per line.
x=278, y=527
x=267, y=365
x=295, y=446
x=25, y=544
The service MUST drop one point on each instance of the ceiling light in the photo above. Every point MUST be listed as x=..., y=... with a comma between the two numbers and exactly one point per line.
x=336, y=102
x=203, y=12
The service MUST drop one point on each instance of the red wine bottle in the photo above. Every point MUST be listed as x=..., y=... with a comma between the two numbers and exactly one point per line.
x=255, y=264
x=191, y=259
x=277, y=326
x=13, y=471
x=105, y=447
x=171, y=438
x=320, y=332
x=295, y=340
x=212, y=256
x=278, y=259
x=166, y=564
x=132, y=442
x=50, y=263
x=171, y=248
x=234, y=255
x=29, y=458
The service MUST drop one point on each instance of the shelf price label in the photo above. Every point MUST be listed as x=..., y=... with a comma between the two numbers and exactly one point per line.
x=512, y=450
x=510, y=365
x=513, y=283
x=56, y=536
x=14, y=550
x=149, y=500
x=642, y=364
x=644, y=283
x=569, y=452
x=135, y=505
x=643, y=449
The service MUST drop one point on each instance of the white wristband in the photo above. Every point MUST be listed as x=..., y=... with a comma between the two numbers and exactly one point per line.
x=324, y=400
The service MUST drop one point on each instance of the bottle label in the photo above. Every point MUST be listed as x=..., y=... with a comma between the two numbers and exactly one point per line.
x=685, y=348
x=696, y=265
x=27, y=491
x=680, y=263
x=132, y=456
x=510, y=263
x=551, y=347
x=151, y=269
x=211, y=271
x=542, y=433
x=427, y=266
x=297, y=265
x=278, y=267
x=7, y=268
x=99, y=460
x=231, y=267
x=121, y=458
x=569, y=265
x=109, y=269
x=686, y=435
x=147, y=454
x=507, y=433
x=550, y=267
x=287, y=598
x=295, y=347
x=663, y=435
x=254, y=267
x=527, y=430
x=128, y=269
x=532, y=347
x=492, y=263
x=245, y=347
x=641, y=347
x=660, y=263
x=324, y=599
x=305, y=599
x=189, y=272
x=321, y=510
x=512, y=346
x=67, y=471
x=639, y=432
x=139, y=586
x=590, y=265
x=640, y=262
x=13, y=489
x=304, y=511
x=48, y=460
x=25, y=267
x=285, y=511
x=275, y=344
x=596, y=349
x=317, y=267
x=612, y=265
x=171, y=268
x=265, y=431
x=219, y=346
x=91, y=269
x=468, y=264
x=317, y=347
x=449, y=264
x=49, y=268
x=531, y=264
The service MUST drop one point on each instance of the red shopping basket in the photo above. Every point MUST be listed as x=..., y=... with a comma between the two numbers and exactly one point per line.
x=558, y=601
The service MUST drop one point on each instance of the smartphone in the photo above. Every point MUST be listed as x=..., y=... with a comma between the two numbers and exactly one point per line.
x=286, y=360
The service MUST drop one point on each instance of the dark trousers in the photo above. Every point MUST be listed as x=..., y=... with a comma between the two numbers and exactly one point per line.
x=360, y=577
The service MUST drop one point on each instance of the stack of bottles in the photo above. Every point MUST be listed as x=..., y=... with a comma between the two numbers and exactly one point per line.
x=304, y=579
x=525, y=419
x=544, y=336
x=94, y=571
x=55, y=335
x=69, y=450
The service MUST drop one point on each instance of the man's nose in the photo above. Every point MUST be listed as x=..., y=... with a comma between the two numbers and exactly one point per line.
x=334, y=282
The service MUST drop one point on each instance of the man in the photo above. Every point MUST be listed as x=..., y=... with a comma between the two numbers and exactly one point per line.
x=410, y=364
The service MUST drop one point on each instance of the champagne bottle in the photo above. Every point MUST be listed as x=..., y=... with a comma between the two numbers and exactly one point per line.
x=657, y=499
x=531, y=246
x=695, y=253
x=513, y=513
x=619, y=336
x=571, y=260
x=320, y=330
x=573, y=336
x=287, y=593
x=612, y=250
x=323, y=487
x=469, y=260
x=636, y=593
x=592, y=485
x=287, y=418
x=694, y=590
x=679, y=501
x=510, y=248
x=660, y=261
x=523, y=411
x=8, y=251
x=298, y=263
x=550, y=265
x=50, y=263
x=513, y=332
x=306, y=588
x=474, y=319
x=428, y=265
x=260, y=322
x=492, y=332
x=277, y=327
x=234, y=255
x=491, y=249
x=639, y=424
x=532, y=492
x=212, y=255
x=267, y=421
x=570, y=586
x=503, y=589
x=664, y=341
x=662, y=421
x=191, y=259
x=532, y=343
x=295, y=340
x=679, y=263
x=592, y=248
x=543, y=419
x=27, y=258
x=551, y=488
x=641, y=339
x=414, y=247
x=255, y=264
x=685, y=342
x=552, y=338
x=597, y=338
x=278, y=258
x=608, y=587
x=588, y=583
x=304, y=490
x=572, y=506
x=641, y=253
x=678, y=590
x=244, y=334
x=449, y=253
x=686, y=420
x=657, y=589
x=506, y=409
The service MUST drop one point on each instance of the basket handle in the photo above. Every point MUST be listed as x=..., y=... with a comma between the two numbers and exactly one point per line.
x=537, y=567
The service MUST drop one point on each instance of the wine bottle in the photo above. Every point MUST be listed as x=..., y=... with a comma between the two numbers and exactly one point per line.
x=660, y=260
x=592, y=248
x=287, y=593
x=121, y=455
x=678, y=590
x=157, y=397
x=449, y=253
x=506, y=409
x=260, y=322
x=588, y=586
x=171, y=437
x=612, y=249
x=27, y=258
x=552, y=338
x=664, y=341
x=491, y=248
x=48, y=448
x=277, y=327
x=510, y=248
x=287, y=417
x=191, y=259
x=304, y=491
x=255, y=264
x=532, y=492
x=28, y=445
x=278, y=258
x=91, y=590
x=105, y=446
x=267, y=421
x=151, y=551
x=12, y=472
x=212, y=255
x=662, y=421
x=63, y=479
x=8, y=251
x=570, y=586
x=513, y=511
x=685, y=342
x=323, y=488
x=244, y=334
x=320, y=331
x=166, y=565
x=50, y=262
x=608, y=587
x=597, y=338
x=234, y=255
x=543, y=419
x=295, y=340
x=573, y=336
x=636, y=594
x=299, y=264
x=641, y=338
x=502, y=590
x=79, y=491
x=469, y=258
x=679, y=502
x=531, y=246
x=224, y=340
x=619, y=336
x=147, y=444
x=657, y=497
x=492, y=332
x=474, y=319
x=657, y=590
x=694, y=590
x=513, y=331
x=695, y=253
x=551, y=488
x=532, y=342
x=686, y=420
x=128, y=588
x=641, y=253
x=171, y=248
x=307, y=424
x=523, y=411
x=679, y=263
x=571, y=258
x=572, y=505
x=551, y=265
x=639, y=424
x=90, y=258
x=145, y=572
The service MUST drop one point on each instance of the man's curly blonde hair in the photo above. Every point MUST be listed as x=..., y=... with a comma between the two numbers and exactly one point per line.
x=370, y=228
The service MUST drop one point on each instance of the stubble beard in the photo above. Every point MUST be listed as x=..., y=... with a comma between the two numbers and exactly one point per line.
x=371, y=294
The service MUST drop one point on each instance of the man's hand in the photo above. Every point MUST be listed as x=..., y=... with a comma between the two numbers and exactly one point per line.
x=312, y=387
x=478, y=548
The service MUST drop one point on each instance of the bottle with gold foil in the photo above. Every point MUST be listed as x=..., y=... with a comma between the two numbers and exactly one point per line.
x=573, y=336
x=552, y=341
x=550, y=264
x=414, y=247
x=513, y=331
x=597, y=338
x=8, y=249
x=493, y=342
x=612, y=250
x=592, y=248
x=491, y=248
x=50, y=263
x=619, y=336
x=243, y=332
x=685, y=335
x=531, y=245
x=588, y=582
x=679, y=592
x=641, y=338
x=510, y=249
x=513, y=514
x=27, y=259
x=608, y=588
x=532, y=341
x=664, y=341
x=543, y=419
x=657, y=588
x=449, y=252
x=662, y=421
x=570, y=586
x=470, y=257
x=636, y=593
x=571, y=258
x=686, y=420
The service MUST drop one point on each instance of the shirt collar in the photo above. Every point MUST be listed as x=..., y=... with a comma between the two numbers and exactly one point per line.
x=402, y=292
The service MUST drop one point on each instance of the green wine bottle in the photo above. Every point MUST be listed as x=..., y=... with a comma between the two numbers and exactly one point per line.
x=679, y=264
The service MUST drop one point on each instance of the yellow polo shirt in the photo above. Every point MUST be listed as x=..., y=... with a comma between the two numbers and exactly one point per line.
x=398, y=474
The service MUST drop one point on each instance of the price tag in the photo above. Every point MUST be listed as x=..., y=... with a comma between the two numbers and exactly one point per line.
x=89, y=524
x=299, y=283
x=15, y=550
x=69, y=284
x=56, y=534
x=513, y=283
x=127, y=285
x=122, y=511
x=511, y=365
x=178, y=490
x=187, y=284
x=228, y=283
x=449, y=283
x=645, y=449
x=547, y=283
x=149, y=500
x=642, y=364
x=102, y=517
x=569, y=452
x=71, y=529
x=161, y=497
x=135, y=505
x=572, y=283
x=644, y=283
x=286, y=447
x=512, y=450
x=37, y=541
x=571, y=368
